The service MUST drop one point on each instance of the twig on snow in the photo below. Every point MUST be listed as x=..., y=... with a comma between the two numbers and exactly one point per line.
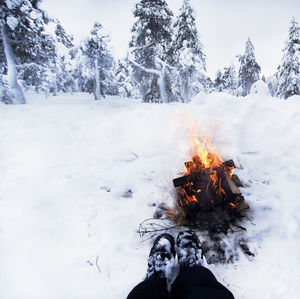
x=148, y=226
x=97, y=258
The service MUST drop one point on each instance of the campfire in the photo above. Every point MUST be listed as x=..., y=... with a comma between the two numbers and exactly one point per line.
x=208, y=194
x=207, y=199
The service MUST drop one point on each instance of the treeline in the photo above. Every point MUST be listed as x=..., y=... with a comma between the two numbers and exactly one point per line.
x=165, y=60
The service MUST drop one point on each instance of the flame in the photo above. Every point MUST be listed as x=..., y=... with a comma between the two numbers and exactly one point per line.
x=205, y=157
x=202, y=146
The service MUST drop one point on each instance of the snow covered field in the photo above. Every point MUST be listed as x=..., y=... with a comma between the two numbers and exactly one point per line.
x=63, y=235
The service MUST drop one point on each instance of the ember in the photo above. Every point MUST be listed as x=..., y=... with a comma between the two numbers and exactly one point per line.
x=208, y=192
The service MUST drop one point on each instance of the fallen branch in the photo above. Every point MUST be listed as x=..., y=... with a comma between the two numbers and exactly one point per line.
x=97, y=258
x=152, y=228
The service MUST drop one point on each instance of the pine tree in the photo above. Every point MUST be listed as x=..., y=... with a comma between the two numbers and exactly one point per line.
x=150, y=49
x=98, y=62
x=60, y=64
x=219, y=81
x=288, y=74
x=249, y=70
x=272, y=83
x=5, y=95
x=124, y=79
x=61, y=35
x=229, y=78
x=77, y=70
x=24, y=41
x=226, y=80
x=188, y=54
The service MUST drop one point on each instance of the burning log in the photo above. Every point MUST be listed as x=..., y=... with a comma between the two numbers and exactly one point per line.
x=209, y=186
x=179, y=182
x=234, y=190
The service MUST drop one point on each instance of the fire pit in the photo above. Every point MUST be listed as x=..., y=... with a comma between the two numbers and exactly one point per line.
x=207, y=200
x=208, y=194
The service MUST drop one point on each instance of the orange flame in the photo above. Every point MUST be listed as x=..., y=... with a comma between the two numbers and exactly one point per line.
x=202, y=146
x=204, y=156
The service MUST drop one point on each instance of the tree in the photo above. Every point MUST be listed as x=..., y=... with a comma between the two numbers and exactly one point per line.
x=98, y=61
x=219, y=81
x=124, y=79
x=188, y=54
x=149, y=50
x=5, y=96
x=249, y=70
x=229, y=78
x=288, y=74
x=226, y=80
x=59, y=66
x=23, y=39
x=272, y=83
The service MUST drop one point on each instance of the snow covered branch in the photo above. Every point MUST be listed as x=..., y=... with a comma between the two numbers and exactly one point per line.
x=164, y=64
x=147, y=70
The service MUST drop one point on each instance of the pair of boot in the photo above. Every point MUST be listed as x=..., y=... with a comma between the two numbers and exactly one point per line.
x=163, y=253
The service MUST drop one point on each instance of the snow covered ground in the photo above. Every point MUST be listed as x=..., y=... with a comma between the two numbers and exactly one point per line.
x=63, y=235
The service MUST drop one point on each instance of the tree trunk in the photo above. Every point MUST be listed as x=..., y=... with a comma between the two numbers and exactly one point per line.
x=162, y=83
x=97, y=92
x=12, y=73
x=186, y=88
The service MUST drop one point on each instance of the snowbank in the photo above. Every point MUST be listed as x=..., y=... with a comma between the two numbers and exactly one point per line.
x=261, y=88
x=66, y=231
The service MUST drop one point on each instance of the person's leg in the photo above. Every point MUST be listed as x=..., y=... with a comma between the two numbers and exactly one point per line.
x=194, y=281
x=198, y=283
x=160, y=261
x=153, y=288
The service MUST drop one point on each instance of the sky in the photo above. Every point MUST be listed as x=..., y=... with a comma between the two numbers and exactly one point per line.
x=224, y=26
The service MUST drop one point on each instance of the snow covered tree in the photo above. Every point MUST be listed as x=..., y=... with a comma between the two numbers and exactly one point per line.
x=188, y=54
x=23, y=39
x=249, y=70
x=288, y=74
x=98, y=62
x=61, y=35
x=149, y=50
x=219, y=81
x=5, y=96
x=272, y=85
x=229, y=78
x=226, y=81
x=60, y=77
x=124, y=79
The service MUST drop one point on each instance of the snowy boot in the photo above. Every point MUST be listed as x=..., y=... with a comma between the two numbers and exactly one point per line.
x=161, y=257
x=189, y=250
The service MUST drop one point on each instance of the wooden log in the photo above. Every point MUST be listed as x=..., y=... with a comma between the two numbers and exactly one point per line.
x=178, y=182
x=198, y=163
x=189, y=165
x=242, y=205
x=237, y=180
x=232, y=186
x=229, y=163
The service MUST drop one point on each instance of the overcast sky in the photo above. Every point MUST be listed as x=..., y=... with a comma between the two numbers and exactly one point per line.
x=224, y=25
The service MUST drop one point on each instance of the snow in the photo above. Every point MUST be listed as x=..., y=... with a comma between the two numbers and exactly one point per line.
x=67, y=232
x=260, y=87
x=12, y=22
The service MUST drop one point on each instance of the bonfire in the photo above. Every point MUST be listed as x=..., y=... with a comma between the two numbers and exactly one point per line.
x=208, y=194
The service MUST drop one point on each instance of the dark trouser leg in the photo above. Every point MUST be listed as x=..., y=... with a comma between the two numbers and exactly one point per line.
x=152, y=288
x=198, y=283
